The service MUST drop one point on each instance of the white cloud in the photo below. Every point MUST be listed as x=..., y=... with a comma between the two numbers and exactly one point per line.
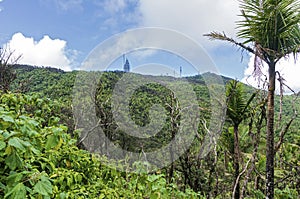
x=118, y=14
x=141, y=40
x=1, y=8
x=114, y=6
x=192, y=17
x=288, y=68
x=141, y=54
x=45, y=52
x=69, y=4
x=197, y=17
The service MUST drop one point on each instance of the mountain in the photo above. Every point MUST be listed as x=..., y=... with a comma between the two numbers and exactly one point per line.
x=50, y=82
x=56, y=83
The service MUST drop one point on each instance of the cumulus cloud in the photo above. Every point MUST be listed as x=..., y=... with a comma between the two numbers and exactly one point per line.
x=289, y=69
x=45, y=52
x=192, y=17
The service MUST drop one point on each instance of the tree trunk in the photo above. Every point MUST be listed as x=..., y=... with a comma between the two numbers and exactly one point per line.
x=236, y=162
x=270, y=134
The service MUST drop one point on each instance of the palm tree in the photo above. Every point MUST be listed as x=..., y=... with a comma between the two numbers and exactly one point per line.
x=237, y=111
x=272, y=28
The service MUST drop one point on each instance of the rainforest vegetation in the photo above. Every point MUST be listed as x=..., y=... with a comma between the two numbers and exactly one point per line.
x=41, y=156
x=47, y=151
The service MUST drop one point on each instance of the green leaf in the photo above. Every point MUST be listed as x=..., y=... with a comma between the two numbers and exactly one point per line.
x=13, y=178
x=2, y=145
x=7, y=118
x=152, y=178
x=43, y=187
x=35, y=151
x=16, y=142
x=10, y=134
x=18, y=192
x=52, y=141
x=63, y=195
x=2, y=186
x=29, y=120
x=13, y=161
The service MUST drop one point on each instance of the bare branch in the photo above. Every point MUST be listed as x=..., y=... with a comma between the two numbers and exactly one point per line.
x=90, y=131
x=256, y=141
x=281, y=84
x=283, y=133
x=285, y=129
x=7, y=74
x=238, y=178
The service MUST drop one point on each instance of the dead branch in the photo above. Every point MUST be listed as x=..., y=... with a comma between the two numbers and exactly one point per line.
x=7, y=75
x=238, y=178
x=256, y=144
x=284, y=129
x=89, y=131
x=283, y=133
x=281, y=84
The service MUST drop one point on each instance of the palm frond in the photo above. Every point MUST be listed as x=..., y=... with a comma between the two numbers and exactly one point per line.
x=273, y=24
x=237, y=105
x=223, y=37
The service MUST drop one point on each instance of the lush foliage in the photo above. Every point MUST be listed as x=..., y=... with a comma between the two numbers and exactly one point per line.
x=40, y=160
x=39, y=156
x=270, y=31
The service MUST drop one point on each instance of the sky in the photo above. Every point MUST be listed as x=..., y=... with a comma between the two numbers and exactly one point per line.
x=62, y=33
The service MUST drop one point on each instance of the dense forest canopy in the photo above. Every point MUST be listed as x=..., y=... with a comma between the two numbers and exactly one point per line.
x=44, y=154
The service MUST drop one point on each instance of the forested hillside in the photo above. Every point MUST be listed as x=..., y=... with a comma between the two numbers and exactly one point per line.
x=43, y=152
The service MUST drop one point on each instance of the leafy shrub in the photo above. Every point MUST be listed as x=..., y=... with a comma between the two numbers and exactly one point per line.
x=39, y=159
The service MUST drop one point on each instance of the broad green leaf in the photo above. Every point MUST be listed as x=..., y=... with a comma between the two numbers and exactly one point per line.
x=52, y=141
x=13, y=161
x=26, y=143
x=16, y=142
x=10, y=134
x=43, y=186
x=29, y=120
x=18, y=192
x=7, y=118
x=14, y=178
x=63, y=195
x=35, y=151
x=2, y=145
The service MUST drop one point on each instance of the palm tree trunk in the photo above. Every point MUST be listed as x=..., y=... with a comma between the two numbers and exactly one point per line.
x=270, y=134
x=236, y=162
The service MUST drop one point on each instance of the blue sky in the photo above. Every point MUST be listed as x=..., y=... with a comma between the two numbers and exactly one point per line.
x=62, y=33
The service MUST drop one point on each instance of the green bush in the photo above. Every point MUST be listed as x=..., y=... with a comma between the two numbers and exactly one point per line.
x=40, y=160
